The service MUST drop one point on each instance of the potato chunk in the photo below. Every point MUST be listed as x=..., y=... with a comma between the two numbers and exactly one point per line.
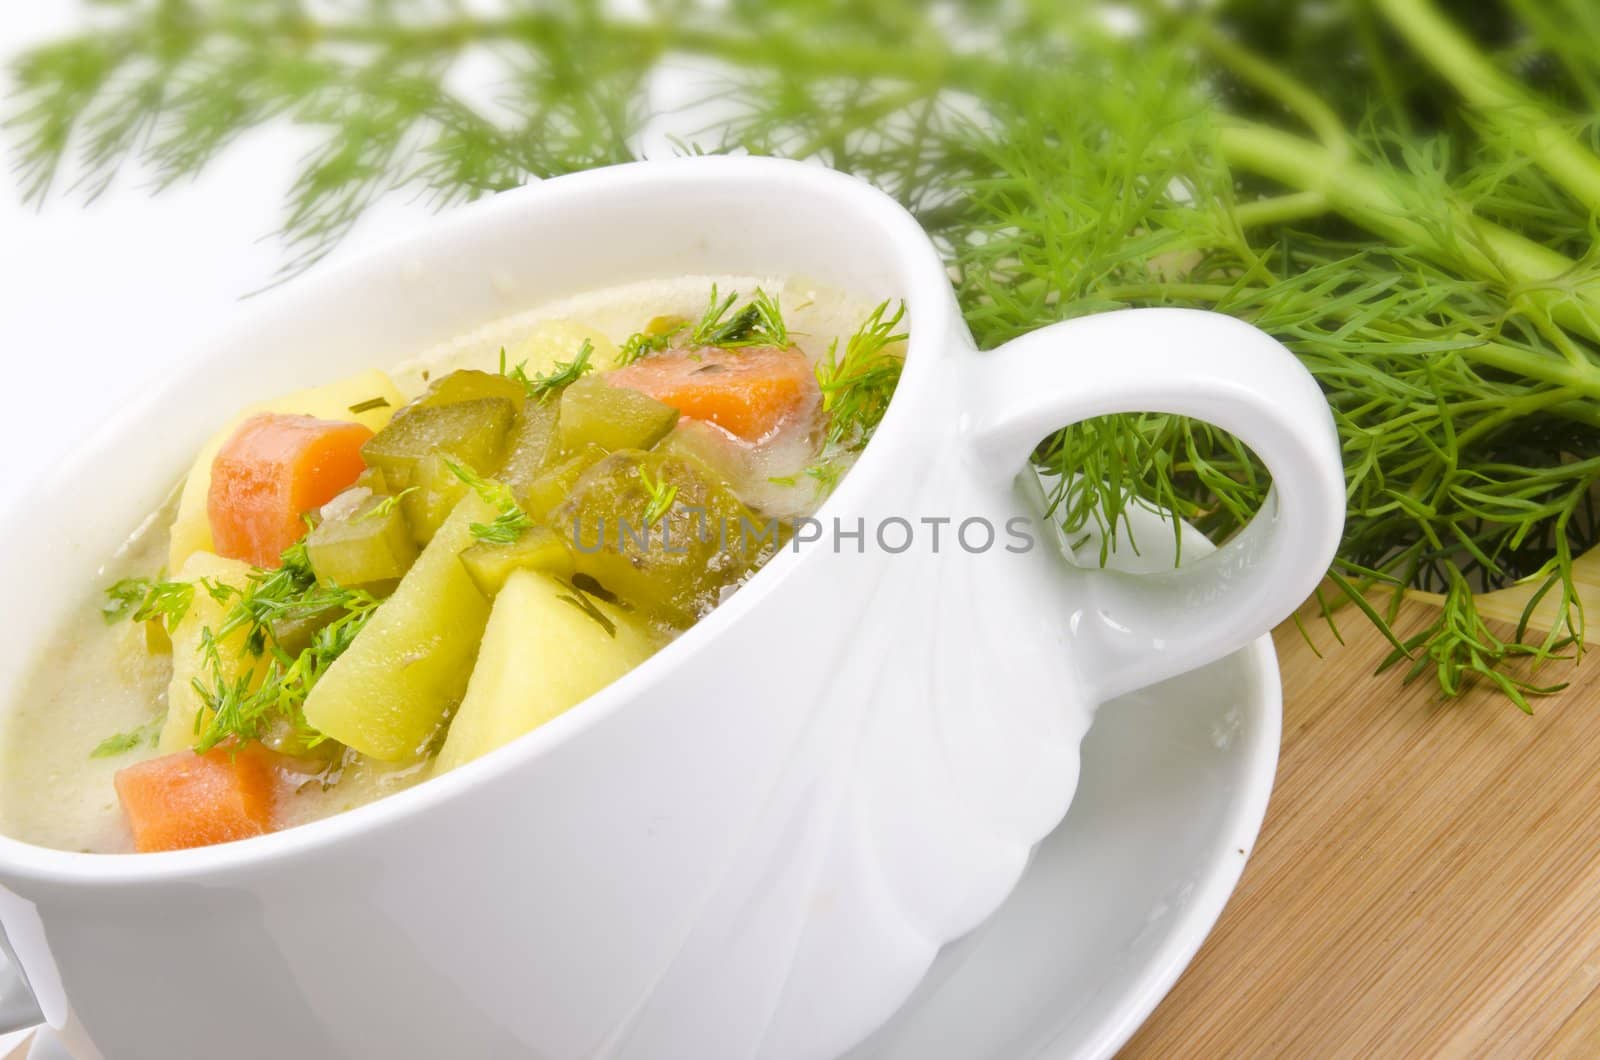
x=188, y=662
x=388, y=693
x=547, y=649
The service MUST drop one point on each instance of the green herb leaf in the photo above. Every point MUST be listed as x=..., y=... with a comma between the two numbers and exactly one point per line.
x=245, y=709
x=758, y=322
x=857, y=386
x=385, y=506
x=511, y=523
x=661, y=496
x=145, y=600
x=640, y=343
x=145, y=735
x=544, y=386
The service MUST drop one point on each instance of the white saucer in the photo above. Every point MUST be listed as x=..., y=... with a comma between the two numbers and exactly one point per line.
x=1118, y=899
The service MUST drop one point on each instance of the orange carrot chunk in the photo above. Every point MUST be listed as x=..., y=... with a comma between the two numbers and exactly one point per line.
x=274, y=469
x=747, y=392
x=191, y=800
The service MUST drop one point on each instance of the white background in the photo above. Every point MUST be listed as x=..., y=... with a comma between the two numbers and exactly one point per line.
x=97, y=300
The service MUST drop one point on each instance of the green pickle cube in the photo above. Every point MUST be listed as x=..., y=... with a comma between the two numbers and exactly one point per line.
x=677, y=566
x=293, y=633
x=540, y=549
x=475, y=431
x=372, y=481
x=369, y=548
x=390, y=692
x=435, y=491
x=471, y=385
x=612, y=417
x=551, y=488
x=530, y=447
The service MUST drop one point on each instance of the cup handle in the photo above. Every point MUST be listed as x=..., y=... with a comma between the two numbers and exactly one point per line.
x=1140, y=629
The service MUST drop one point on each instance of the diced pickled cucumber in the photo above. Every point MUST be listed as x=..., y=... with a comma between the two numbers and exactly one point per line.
x=387, y=695
x=547, y=648
x=368, y=548
x=728, y=459
x=473, y=431
x=435, y=492
x=676, y=566
x=530, y=447
x=551, y=488
x=309, y=754
x=490, y=563
x=472, y=385
x=371, y=480
x=293, y=633
x=613, y=417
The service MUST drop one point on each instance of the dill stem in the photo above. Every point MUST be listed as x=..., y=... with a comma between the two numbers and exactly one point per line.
x=1281, y=209
x=1372, y=199
x=1513, y=110
x=1295, y=97
x=1576, y=379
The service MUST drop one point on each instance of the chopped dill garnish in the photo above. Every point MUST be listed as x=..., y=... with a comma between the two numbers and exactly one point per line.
x=370, y=404
x=144, y=735
x=246, y=709
x=662, y=495
x=825, y=473
x=856, y=387
x=511, y=522
x=638, y=344
x=758, y=322
x=657, y=335
x=385, y=506
x=147, y=599
x=545, y=385
x=581, y=601
x=504, y=529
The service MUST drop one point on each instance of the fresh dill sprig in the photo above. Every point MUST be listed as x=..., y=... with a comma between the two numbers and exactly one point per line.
x=148, y=599
x=638, y=345
x=857, y=386
x=661, y=495
x=759, y=322
x=247, y=710
x=825, y=473
x=543, y=386
x=369, y=404
x=657, y=335
x=511, y=522
x=385, y=506
x=145, y=735
x=245, y=707
x=580, y=599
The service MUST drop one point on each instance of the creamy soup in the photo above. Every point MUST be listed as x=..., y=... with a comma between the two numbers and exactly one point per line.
x=363, y=585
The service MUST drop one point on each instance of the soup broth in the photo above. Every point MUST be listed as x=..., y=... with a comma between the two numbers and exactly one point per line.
x=495, y=453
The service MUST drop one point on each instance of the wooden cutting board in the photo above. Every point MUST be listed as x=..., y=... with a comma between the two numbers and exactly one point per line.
x=1427, y=882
